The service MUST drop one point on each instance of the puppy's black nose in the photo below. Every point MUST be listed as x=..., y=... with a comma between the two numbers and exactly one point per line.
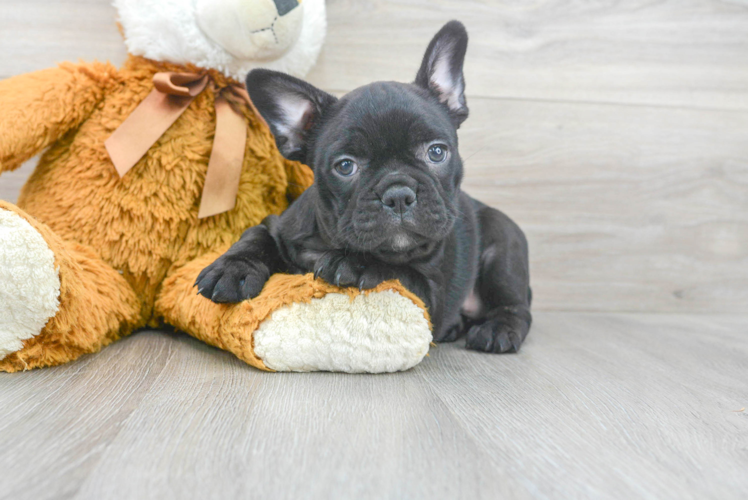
x=399, y=198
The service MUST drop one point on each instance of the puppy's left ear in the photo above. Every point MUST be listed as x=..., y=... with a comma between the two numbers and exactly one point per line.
x=290, y=106
x=441, y=69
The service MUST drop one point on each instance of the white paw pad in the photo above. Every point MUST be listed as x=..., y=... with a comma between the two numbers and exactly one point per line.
x=29, y=282
x=374, y=333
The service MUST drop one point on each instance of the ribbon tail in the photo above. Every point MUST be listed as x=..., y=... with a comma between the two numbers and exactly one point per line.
x=132, y=140
x=226, y=160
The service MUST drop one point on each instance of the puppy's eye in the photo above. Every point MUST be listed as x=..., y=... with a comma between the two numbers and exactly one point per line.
x=437, y=153
x=346, y=167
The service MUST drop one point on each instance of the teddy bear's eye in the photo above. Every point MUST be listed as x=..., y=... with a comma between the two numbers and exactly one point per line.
x=346, y=167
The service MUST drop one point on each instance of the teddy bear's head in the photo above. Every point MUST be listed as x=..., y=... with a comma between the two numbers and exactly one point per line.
x=231, y=36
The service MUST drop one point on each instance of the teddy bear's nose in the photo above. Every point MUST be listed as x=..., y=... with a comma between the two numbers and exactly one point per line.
x=285, y=6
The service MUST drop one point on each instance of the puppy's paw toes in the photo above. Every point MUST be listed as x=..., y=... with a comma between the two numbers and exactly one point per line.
x=372, y=276
x=229, y=281
x=339, y=270
x=497, y=335
x=451, y=334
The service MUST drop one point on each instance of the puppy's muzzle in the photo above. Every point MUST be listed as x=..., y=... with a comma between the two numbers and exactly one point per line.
x=398, y=194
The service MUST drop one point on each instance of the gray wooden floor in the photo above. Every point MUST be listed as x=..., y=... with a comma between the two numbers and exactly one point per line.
x=616, y=134
x=597, y=405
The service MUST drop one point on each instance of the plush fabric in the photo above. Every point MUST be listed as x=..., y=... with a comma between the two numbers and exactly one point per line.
x=358, y=344
x=144, y=223
x=185, y=39
x=88, y=257
x=96, y=304
x=342, y=333
x=29, y=282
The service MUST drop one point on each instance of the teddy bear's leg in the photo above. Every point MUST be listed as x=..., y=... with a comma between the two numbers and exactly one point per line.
x=298, y=323
x=212, y=323
x=58, y=299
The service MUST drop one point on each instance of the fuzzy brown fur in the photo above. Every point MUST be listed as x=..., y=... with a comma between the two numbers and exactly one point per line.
x=129, y=249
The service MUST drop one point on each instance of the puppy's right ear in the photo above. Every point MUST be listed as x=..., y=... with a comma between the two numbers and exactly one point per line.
x=290, y=106
x=441, y=69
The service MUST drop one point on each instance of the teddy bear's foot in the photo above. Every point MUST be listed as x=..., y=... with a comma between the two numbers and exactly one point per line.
x=377, y=332
x=58, y=299
x=29, y=282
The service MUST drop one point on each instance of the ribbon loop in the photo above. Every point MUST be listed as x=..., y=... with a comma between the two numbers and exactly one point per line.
x=181, y=84
x=172, y=94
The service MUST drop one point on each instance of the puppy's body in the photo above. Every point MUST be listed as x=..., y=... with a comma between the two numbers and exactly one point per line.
x=386, y=203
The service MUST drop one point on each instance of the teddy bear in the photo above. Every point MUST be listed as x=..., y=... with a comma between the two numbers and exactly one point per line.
x=150, y=172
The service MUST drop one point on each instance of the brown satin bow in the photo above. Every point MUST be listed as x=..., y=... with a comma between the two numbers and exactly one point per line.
x=172, y=94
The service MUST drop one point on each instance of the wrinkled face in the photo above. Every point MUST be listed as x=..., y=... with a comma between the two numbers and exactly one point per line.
x=387, y=171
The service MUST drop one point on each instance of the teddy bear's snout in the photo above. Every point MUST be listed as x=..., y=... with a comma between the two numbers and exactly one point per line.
x=251, y=29
x=264, y=39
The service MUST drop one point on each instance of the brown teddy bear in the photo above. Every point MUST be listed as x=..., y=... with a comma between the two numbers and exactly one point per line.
x=150, y=172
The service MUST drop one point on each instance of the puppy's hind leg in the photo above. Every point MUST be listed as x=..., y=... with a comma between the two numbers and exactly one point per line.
x=503, y=287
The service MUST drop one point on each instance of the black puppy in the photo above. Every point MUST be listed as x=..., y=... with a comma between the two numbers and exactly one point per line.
x=386, y=202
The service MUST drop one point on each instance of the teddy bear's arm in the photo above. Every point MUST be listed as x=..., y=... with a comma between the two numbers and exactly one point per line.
x=299, y=323
x=227, y=326
x=38, y=108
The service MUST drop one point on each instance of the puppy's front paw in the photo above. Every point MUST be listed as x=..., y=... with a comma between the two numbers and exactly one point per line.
x=232, y=280
x=374, y=275
x=503, y=333
x=452, y=333
x=350, y=270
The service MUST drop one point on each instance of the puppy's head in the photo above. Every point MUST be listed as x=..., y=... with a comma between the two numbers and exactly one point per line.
x=387, y=169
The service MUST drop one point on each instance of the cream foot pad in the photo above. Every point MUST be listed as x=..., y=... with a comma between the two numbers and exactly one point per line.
x=29, y=282
x=374, y=333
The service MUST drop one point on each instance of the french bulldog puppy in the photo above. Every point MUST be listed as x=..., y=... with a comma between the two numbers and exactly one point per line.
x=386, y=202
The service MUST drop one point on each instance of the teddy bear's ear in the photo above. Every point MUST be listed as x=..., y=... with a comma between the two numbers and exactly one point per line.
x=441, y=69
x=290, y=106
